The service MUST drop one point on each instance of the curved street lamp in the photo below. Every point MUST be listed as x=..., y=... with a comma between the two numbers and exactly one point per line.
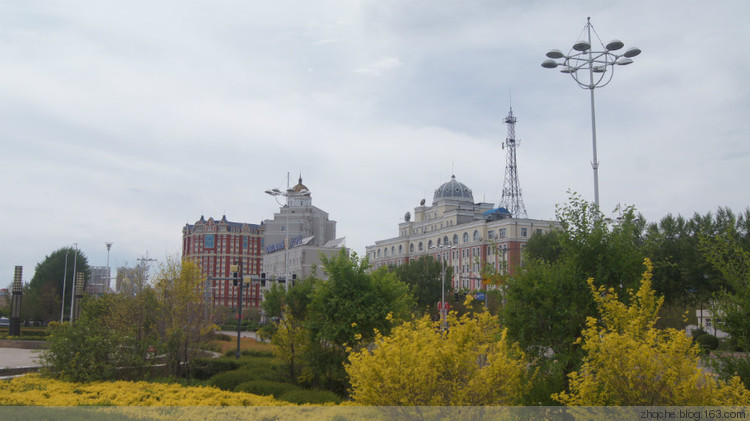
x=599, y=65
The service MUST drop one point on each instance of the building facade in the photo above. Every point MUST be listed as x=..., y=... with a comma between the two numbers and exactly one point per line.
x=297, y=236
x=464, y=234
x=98, y=282
x=215, y=246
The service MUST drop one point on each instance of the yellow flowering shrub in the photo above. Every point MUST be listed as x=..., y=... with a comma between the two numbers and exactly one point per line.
x=418, y=364
x=35, y=390
x=629, y=362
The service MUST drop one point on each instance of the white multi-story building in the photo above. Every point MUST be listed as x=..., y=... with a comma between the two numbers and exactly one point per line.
x=464, y=234
x=307, y=231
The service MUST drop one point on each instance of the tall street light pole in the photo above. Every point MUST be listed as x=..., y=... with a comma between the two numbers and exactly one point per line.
x=73, y=286
x=65, y=277
x=598, y=65
x=443, y=307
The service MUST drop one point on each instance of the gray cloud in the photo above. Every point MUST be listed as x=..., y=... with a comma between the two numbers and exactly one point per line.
x=124, y=121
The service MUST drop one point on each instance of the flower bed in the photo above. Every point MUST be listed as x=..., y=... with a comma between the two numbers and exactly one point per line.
x=39, y=391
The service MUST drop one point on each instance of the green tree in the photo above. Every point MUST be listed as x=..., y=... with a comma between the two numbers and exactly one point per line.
x=732, y=304
x=290, y=308
x=419, y=364
x=630, y=362
x=99, y=345
x=547, y=301
x=345, y=312
x=43, y=295
x=426, y=280
x=183, y=324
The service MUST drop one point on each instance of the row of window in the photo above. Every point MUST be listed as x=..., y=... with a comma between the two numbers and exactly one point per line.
x=501, y=233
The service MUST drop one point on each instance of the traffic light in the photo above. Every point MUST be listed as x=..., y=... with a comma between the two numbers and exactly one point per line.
x=235, y=268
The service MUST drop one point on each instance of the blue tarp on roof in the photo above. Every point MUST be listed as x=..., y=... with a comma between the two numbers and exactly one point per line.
x=497, y=211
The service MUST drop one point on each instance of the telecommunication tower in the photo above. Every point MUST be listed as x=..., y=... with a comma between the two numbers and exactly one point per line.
x=512, y=200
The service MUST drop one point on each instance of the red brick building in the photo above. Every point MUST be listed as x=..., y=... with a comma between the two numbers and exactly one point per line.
x=215, y=245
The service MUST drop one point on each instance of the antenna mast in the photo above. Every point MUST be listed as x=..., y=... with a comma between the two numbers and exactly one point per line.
x=512, y=200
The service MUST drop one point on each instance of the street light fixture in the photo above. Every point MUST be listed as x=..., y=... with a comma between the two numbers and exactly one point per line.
x=584, y=58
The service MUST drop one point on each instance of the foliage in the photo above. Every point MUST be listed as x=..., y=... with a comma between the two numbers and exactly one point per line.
x=732, y=304
x=289, y=308
x=38, y=391
x=418, y=364
x=682, y=273
x=346, y=311
x=204, y=368
x=44, y=293
x=183, y=324
x=629, y=362
x=289, y=343
x=310, y=396
x=426, y=281
x=547, y=301
x=95, y=348
x=707, y=342
x=545, y=247
x=229, y=380
x=265, y=388
x=728, y=365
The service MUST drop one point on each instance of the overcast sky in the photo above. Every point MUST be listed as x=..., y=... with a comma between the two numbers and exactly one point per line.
x=121, y=121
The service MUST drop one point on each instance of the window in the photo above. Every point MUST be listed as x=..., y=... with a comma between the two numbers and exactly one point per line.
x=524, y=232
x=420, y=247
x=476, y=236
x=429, y=244
x=466, y=237
x=455, y=238
x=411, y=247
x=209, y=241
x=503, y=232
x=400, y=249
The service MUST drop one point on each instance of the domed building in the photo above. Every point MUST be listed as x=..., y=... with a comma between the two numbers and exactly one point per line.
x=465, y=234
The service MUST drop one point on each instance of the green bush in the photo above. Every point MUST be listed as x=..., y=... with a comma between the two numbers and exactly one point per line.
x=707, y=342
x=89, y=351
x=228, y=380
x=266, y=331
x=253, y=353
x=266, y=388
x=205, y=368
x=728, y=366
x=698, y=332
x=316, y=397
x=222, y=337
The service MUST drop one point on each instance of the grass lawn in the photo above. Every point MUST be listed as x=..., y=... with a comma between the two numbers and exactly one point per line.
x=246, y=344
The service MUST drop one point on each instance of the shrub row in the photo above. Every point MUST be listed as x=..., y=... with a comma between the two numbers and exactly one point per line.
x=205, y=368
